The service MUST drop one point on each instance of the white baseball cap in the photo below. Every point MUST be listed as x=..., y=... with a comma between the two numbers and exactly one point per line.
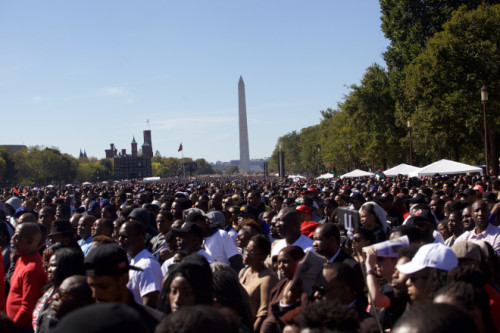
x=435, y=255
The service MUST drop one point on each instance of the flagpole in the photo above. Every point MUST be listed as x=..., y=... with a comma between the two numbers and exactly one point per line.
x=183, y=164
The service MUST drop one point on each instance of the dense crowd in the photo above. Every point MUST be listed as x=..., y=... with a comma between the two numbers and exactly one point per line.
x=250, y=254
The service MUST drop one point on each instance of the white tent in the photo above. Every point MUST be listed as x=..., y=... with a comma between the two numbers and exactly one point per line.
x=445, y=167
x=402, y=169
x=357, y=173
x=325, y=176
x=296, y=178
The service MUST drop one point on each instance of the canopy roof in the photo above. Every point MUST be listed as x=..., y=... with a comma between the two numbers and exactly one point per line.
x=402, y=169
x=325, y=176
x=357, y=173
x=445, y=167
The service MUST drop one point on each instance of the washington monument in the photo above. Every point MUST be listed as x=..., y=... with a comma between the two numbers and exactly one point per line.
x=244, y=152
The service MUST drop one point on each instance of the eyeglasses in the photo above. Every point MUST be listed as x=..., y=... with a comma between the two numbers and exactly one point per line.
x=357, y=239
x=65, y=297
x=253, y=253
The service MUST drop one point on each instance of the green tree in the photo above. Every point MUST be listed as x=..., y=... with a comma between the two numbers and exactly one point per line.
x=232, y=169
x=39, y=165
x=442, y=88
x=204, y=168
x=409, y=24
x=91, y=170
x=9, y=175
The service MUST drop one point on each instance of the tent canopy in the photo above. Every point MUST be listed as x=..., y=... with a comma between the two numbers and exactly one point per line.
x=357, y=173
x=402, y=169
x=445, y=167
x=325, y=176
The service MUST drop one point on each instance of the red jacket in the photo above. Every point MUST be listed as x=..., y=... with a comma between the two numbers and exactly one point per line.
x=25, y=289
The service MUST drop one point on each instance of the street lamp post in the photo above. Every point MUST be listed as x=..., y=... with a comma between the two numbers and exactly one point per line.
x=411, y=148
x=484, y=99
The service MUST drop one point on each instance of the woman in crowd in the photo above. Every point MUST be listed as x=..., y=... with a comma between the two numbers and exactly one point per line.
x=362, y=238
x=257, y=278
x=427, y=271
x=471, y=299
x=230, y=294
x=288, y=258
x=373, y=217
x=65, y=262
x=189, y=283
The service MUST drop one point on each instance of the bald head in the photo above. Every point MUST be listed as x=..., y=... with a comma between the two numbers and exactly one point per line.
x=26, y=239
x=84, y=226
x=78, y=289
x=27, y=217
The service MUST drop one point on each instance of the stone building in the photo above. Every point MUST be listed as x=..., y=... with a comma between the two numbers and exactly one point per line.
x=134, y=165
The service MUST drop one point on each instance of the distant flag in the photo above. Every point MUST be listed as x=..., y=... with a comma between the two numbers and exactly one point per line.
x=380, y=175
x=334, y=171
x=15, y=192
x=180, y=148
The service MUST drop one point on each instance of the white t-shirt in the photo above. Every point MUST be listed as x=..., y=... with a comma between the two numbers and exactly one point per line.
x=303, y=242
x=170, y=262
x=221, y=247
x=149, y=280
x=233, y=234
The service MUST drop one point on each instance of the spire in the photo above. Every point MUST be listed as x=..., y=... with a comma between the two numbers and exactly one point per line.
x=240, y=82
x=133, y=139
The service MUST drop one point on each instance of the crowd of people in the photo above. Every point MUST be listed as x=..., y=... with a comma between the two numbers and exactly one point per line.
x=252, y=254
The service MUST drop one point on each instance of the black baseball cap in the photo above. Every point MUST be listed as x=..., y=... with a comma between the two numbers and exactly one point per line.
x=249, y=210
x=102, y=318
x=419, y=198
x=189, y=227
x=422, y=216
x=107, y=259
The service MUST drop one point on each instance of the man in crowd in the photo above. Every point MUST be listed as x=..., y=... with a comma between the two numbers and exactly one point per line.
x=288, y=227
x=218, y=243
x=84, y=232
x=29, y=277
x=189, y=240
x=483, y=230
x=73, y=293
x=107, y=269
x=102, y=227
x=46, y=216
x=145, y=284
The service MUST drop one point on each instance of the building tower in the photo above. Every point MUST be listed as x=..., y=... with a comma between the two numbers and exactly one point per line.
x=147, y=146
x=134, y=147
x=242, y=108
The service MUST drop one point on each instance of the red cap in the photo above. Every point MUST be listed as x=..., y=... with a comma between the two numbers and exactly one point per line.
x=478, y=188
x=304, y=209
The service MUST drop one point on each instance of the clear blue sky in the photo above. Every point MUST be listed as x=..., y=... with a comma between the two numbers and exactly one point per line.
x=84, y=74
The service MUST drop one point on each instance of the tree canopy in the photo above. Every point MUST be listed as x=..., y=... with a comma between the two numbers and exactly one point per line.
x=441, y=53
